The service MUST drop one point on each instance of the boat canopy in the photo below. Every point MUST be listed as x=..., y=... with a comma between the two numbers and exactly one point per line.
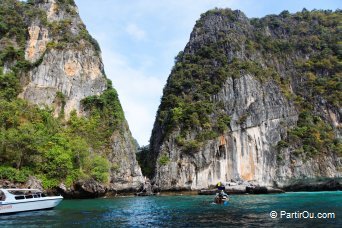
x=16, y=193
x=19, y=189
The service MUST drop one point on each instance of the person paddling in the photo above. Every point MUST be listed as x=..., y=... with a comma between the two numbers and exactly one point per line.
x=220, y=186
x=221, y=196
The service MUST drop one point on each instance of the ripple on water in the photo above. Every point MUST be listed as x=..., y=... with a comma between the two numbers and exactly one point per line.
x=183, y=211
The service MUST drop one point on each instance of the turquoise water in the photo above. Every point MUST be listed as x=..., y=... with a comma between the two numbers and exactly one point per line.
x=184, y=211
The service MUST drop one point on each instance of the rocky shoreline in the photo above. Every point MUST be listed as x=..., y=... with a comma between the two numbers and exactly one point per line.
x=92, y=189
x=320, y=184
x=243, y=190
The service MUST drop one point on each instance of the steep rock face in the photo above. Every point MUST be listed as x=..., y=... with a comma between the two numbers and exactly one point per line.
x=258, y=88
x=61, y=69
x=126, y=172
x=245, y=152
x=76, y=72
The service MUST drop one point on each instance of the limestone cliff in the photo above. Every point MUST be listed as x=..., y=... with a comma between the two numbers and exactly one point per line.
x=75, y=71
x=254, y=100
x=61, y=69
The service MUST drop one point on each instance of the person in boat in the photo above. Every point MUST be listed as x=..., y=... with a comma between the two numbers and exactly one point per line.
x=220, y=186
x=221, y=196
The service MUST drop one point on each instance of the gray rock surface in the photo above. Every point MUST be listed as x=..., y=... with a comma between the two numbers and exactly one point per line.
x=248, y=150
x=75, y=71
x=126, y=172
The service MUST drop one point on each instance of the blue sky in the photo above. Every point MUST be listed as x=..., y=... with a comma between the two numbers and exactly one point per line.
x=140, y=38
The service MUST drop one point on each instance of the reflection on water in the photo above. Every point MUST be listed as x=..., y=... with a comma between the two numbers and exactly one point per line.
x=183, y=211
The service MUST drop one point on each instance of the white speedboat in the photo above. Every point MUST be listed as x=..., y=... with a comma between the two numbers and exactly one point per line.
x=18, y=200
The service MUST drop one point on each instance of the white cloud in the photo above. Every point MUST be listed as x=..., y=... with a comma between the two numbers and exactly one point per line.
x=139, y=94
x=135, y=32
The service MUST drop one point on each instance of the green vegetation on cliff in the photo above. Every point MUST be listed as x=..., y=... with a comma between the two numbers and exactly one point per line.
x=32, y=140
x=226, y=44
x=313, y=38
x=187, y=103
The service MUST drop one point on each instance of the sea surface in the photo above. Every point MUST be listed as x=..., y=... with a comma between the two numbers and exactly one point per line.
x=188, y=211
